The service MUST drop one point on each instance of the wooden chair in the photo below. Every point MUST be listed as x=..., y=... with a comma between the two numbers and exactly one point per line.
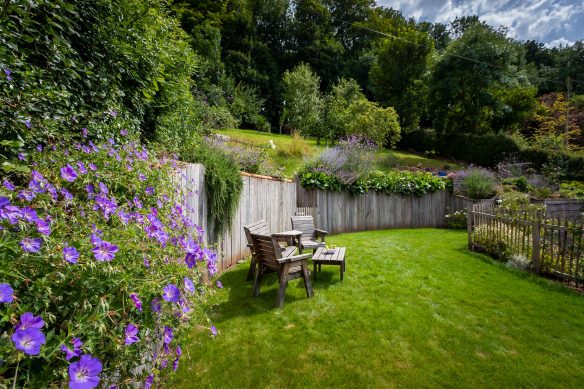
x=310, y=235
x=269, y=258
x=261, y=228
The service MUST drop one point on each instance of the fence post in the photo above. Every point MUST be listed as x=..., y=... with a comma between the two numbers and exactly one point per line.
x=469, y=211
x=536, y=254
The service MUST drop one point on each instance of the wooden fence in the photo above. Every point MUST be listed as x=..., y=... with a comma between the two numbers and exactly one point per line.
x=339, y=212
x=263, y=198
x=552, y=245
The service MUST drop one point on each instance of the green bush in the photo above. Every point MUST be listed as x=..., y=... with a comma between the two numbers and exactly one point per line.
x=479, y=183
x=96, y=244
x=572, y=190
x=297, y=148
x=456, y=220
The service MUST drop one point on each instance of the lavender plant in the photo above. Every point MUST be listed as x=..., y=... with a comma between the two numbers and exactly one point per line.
x=101, y=269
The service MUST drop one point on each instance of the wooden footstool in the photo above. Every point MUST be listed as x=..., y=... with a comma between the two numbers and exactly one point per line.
x=324, y=256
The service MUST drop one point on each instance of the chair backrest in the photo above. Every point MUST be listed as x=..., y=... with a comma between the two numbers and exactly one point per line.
x=267, y=251
x=258, y=228
x=304, y=224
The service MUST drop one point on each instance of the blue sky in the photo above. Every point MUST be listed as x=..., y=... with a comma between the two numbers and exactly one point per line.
x=552, y=22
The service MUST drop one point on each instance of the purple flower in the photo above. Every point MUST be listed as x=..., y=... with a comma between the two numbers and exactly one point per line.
x=84, y=132
x=141, y=177
x=11, y=212
x=8, y=185
x=68, y=173
x=29, y=340
x=84, y=374
x=189, y=284
x=26, y=195
x=167, y=335
x=137, y=202
x=105, y=251
x=155, y=304
x=43, y=226
x=124, y=132
x=131, y=333
x=81, y=167
x=171, y=293
x=29, y=215
x=39, y=148
x=21, y=156
x=136, y=301
x=103, y=188
x=70, y=254
x=8, y=74
x=219, y=284
x=28, y=320
x=149, y=381
x=31, y=245
x=149, y=190
x=92, y=166
x=213, y=330
x=66, y=194
x=76, y=352
x=4, y=201
x=6, y=293
x=175, y=364
x=112, y=113
x=27, y=123
x=95, y=239
x=146, y=263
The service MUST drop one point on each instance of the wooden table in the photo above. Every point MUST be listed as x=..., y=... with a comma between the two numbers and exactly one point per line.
x=294, y=234
x=335, y=257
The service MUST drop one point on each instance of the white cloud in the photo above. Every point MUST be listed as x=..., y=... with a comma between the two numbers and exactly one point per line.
x=543, y=20
x=560, y=41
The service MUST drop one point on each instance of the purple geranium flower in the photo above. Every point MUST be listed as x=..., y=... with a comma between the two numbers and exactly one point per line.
x=70, y=254
x=219, y=284
x=141, y=177
x=103, y=188
x=39, y=148
x=84, y=132
x=171, y=293
x=6, y=293
x=84, y=374
x=137, y=202
x=76, y=352
x=29, y=340
x=68, y=173
x=4, y=201
x=31, y=245
x=26, y=195
x=149, y=381
x=8, y=74
x=155, y=304
x=28, y=320
x=105, y=251
x=27, y=123
x=66, y=194
x=11, y=212
x=81, y=167
x=146, y=263
x=167, y=335
x=189, y=284
x=92, y=166
x=136, y=301
x=29, y=215
x=214, y=330
x=43, y=226
x=149, y=190
x=8, y=185
x=131, y=333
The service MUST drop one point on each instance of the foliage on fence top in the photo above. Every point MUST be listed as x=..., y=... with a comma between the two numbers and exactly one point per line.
x=99, y=264
x=394, y=182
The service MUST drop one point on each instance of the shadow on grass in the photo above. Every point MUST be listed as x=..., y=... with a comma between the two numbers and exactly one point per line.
x=542, y=281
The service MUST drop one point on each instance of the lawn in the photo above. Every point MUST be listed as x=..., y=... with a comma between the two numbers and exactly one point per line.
x=385, y=158
x=416, y=309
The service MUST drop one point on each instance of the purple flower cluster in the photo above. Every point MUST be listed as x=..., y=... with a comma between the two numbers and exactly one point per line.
x=84, y=374
x=28, y=336
x=131, y=333
x=75, y=352
x=6, y=293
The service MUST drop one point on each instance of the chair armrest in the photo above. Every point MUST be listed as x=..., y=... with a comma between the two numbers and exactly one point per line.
x=295, y=258
x=320, y=232
x=286, y=239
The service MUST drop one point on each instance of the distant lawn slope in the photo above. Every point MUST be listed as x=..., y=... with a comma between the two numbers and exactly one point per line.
x=386, y=159
x=416, y=310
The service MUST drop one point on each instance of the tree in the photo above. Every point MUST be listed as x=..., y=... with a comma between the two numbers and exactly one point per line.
x=396, y=75
x=303, y=102
x=368, y=119
x=343, y=94
x=466, y=80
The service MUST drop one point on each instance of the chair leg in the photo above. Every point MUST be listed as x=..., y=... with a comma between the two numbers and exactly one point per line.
x=283, y=284
x=306, y=277
x=257, y=281
x=252, y=269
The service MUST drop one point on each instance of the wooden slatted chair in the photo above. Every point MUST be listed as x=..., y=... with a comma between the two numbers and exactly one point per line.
x=309, y=239
x=261, y=228
x=269, y=258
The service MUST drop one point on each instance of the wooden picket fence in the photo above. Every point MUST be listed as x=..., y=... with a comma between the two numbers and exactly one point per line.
x=553, y=246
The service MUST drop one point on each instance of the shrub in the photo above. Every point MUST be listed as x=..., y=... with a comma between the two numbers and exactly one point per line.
x=368, y=119
x=572, y=190
x=99, y=260
x=456, y=220
x=514, y=201
x=479, y=183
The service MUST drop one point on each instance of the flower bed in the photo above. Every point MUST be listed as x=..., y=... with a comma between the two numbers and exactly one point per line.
x=99, y=262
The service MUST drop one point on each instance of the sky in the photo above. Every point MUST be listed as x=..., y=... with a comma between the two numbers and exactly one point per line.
x=552, y=22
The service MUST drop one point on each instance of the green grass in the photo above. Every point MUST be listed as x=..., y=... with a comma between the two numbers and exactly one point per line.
x=416, y=309
x=385, y=158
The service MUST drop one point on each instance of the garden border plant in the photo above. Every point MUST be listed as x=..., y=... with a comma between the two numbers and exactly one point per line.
x=100, y=264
